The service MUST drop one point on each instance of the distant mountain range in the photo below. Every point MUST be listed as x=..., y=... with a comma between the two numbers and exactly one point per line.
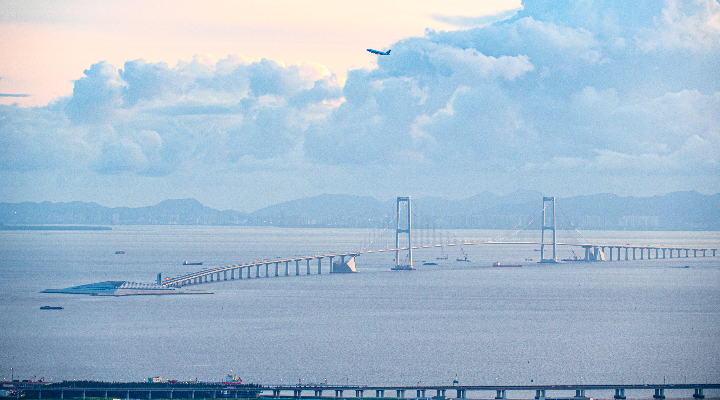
x=674, y=211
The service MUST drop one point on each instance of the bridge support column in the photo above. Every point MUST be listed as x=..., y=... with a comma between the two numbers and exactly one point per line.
x=580, y=393
x=642, y=253
x=287, y=268
x=694, y=252
x=501, y=394
x=297, y=267
x=460, y=393
x=331, y=266
x=670, y=252
x=318, y=392
x=659, y=394
x=148, y=394
x=713, y=252
x=297, y=393
x=308, y=266
x=276, y=393
x=232, y=274
x=379, y=393
x=698, y=394
x=626, y=254
x=62, y=394
x=619, y=394
x=338, y=393
x=703, y=250
x=656, y=253
x=225, y=277
x=277, y=269
x=267, y=270
x=319, y=265
x=128, y=395
x=400, y=393
x=540, y=394
x=359, y=393
x=663, y=252
x=192, y=394
x=634, y=253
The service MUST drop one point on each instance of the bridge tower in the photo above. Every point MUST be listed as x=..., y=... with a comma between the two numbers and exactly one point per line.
x=398, y=231
x=545, y=227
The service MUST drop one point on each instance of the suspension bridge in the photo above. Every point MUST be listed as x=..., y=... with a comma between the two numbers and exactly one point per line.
x=344, y=262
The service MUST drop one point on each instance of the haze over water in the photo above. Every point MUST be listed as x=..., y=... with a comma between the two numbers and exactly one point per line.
x=629, y=321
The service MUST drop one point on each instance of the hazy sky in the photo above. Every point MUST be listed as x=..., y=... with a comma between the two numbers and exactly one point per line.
x=278, y=100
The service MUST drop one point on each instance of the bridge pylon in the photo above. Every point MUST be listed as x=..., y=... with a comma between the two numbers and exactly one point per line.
x=545, y=227
x=407, y=230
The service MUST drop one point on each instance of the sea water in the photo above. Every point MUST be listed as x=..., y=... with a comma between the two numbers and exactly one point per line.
x=642, y=321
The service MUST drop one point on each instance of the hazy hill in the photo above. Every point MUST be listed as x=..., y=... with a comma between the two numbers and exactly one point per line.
x=675, y=211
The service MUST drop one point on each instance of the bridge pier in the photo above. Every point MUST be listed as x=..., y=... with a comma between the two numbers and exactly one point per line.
x=663, y=252
x=659, y=393
x=319, y=265
x=626, y=254
x=540, y=394
x=277, y=269
x=687, y=251
x=656, y=253
x=331, y=267
x=297, y=393
x=224, y=277
x=460, y=393
x=501, y=394
x=400, y=393
x=276, y=393
x=338, y=392
x=634, y=253
x=287, y=268
x=358, y=392
x=379, y=393
x=318, y=392
x=619, y=394
x=580, y=393
x=297, y=267
x=698, y=394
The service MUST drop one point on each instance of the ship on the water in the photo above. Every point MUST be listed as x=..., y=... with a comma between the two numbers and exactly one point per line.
x=52, y=308
x=192, y=263
x=497, y=264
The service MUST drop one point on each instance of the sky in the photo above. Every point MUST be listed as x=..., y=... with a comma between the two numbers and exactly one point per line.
x=242, y=104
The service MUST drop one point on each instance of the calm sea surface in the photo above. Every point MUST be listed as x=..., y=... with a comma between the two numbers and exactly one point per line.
x=612, y=322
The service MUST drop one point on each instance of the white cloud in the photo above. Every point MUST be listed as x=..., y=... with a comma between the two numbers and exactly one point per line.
x=587, y=92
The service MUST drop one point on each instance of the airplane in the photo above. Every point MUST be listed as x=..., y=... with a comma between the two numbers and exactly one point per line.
x=380, y=53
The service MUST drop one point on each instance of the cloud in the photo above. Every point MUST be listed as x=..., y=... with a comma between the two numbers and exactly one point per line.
x=469, y=22
x=579, y=95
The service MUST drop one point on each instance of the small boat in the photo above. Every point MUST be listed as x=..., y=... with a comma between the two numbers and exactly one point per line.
x=429, y=263
x=497, y=264
x=463, y=259
x=119, y=252
x=52, y=308
x=403, y=268
x=192, y=263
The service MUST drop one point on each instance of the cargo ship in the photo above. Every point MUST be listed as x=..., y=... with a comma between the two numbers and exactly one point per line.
x=52, y=308
x=497, y=264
